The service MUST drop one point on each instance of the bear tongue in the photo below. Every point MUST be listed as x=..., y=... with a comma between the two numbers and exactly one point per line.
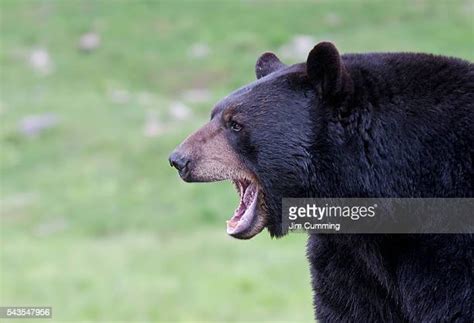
x=243, y=215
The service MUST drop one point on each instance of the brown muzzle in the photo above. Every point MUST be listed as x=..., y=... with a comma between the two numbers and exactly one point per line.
x=206, y=156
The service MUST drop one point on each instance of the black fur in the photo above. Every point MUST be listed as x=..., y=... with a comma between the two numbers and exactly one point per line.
x=368, y=125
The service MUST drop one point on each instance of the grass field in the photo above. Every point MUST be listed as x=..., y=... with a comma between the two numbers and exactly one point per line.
x=94, y=222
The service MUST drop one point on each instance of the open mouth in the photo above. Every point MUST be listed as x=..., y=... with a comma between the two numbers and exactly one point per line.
x=243, y=222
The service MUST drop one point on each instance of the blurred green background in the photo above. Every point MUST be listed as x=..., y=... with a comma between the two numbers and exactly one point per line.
x=94, y=96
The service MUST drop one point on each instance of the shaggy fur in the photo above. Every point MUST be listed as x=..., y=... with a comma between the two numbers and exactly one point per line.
x=368, y=125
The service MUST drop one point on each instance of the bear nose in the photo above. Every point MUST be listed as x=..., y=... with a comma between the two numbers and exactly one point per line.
x=178, y=161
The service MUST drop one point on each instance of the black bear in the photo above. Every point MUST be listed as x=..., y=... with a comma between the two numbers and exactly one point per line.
x=355, y=125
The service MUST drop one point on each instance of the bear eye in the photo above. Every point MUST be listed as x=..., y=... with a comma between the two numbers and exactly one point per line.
x=234, y=126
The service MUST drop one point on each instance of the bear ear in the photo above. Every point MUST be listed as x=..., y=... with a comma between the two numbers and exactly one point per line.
x=326, y=71
x=267, y=64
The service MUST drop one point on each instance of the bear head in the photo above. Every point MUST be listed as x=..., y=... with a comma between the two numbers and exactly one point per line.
x=269, y=138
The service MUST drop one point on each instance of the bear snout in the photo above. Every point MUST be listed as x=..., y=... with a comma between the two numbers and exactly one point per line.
x=207, y=156
x=180, y=162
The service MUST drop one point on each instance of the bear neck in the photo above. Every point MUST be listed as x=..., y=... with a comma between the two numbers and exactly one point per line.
x=394, y=135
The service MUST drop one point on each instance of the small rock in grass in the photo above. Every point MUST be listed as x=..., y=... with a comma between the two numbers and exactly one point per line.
x=33, y=125
x=298, y=47
x=179, y=110
x=332, y=19
x=119, y=96
x=199, y=50
x=153, y=127
x=196, y=95
x=40, y=60
x=89, y=42
x=50, y=227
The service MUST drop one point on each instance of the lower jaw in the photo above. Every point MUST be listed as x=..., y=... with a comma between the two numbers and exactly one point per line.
x=244, y=222
x=242, y=232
